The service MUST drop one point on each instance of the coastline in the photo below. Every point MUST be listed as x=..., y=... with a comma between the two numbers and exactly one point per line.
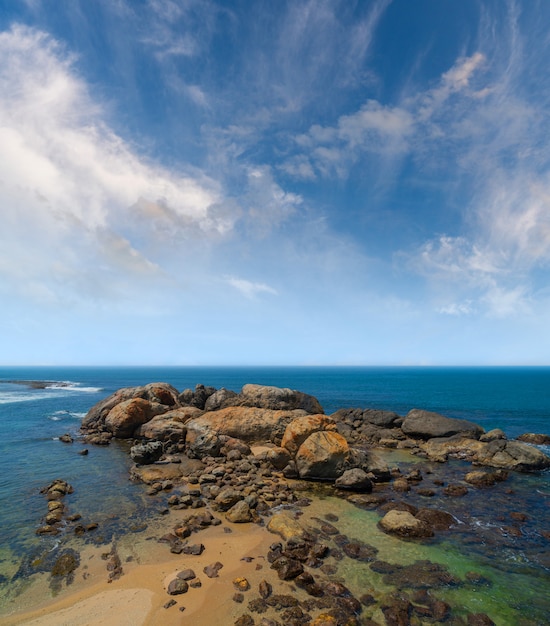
x=139, y=595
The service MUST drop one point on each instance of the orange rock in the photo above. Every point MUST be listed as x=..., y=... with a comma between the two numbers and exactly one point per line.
x=322, y=455
x=302, y=427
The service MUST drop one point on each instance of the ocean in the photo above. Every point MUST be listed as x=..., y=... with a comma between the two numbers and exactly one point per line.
x=33, y=417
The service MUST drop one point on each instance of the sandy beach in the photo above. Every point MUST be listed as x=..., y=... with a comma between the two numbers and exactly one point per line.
x=138, y=597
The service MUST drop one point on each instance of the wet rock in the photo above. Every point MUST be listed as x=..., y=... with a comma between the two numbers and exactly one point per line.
x=404, y=524
x=455, y=490
x=537, y=439
x=212, y=570
x=479, y=619
x=360, y=551
x=435, y=518
x=83, y=452
x=401, y=485
x=66, y=438
x=481, y=479
x=287, y=568
x=147, y=453
x=354, y=480
x=284, y=525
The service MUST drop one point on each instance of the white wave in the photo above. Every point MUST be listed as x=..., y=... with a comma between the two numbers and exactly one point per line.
x=54, y=418
x=72, y=386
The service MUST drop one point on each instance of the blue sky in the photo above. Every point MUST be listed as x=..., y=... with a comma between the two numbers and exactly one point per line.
x=254, y=182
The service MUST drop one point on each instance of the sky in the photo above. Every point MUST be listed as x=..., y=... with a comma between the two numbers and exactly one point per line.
x=248, y=182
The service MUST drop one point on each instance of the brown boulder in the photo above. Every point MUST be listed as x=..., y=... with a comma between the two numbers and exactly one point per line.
x=162, y=393
x=323, y=455
x=123, y=419
x=168, y=426
x=302, y=427
x=278, y=399
x=247, y=423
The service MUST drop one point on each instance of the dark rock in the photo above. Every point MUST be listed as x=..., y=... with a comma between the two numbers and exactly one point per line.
x=479, y=619
x=436, y=519
x=355, y=480
x=66, y=438
x=455, y=490
x=177, y=586
x=286, y=568
x=426, y=425
x=244, y=620
x=186, y=574
x=537, y=439
x=265, y=589
x=147, y=453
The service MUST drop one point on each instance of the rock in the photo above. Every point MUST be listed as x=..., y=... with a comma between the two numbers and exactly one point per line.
x=161, y=393
x=404, y=524
x=435, y=519
x=496, y=433
x=147, y=453
x=220, y=399
x=464, y=448
x=455, y=490
x=212, y=570
x=285, y=526
x=83, y=452
x=480, y=479
x=535, y=438
x=239, y=513
x=169, y=426
x=186, y=574
x=513, y=455
x=278, y=457
x=241, y=584
x=66, y=438
x=123, y=419
x=227, y=498
x=302, y=427
x=177, y=586
x=323, y=455
x=479, y=619
x=401, y=485
x=196, y=398
x=249, y=424
x=150, y=474
x=354, y=480
x=427, y=425
x=265, y=589
x=278, y=399
x=287, y=568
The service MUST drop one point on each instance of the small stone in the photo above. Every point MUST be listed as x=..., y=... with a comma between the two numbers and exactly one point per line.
x=265, y=589
x=238, y=597
x=241, y=584
x=177, y=586
x=212, y=570
x=169, y=604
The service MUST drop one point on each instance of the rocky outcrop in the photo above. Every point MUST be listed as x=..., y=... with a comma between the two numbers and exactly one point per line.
x=250, y=424
x=422, y=424
x=323, y=456
x=278, y=399
x=123, y=419
x=499, y=453
x=169, y=426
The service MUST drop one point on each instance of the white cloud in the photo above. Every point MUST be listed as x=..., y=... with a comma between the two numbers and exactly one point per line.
x=248, y=288
x=69, y=183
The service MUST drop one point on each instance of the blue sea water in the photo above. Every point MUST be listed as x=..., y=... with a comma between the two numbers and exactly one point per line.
x=516, y=399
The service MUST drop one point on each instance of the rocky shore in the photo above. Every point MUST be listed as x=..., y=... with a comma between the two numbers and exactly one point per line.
x=219, y=459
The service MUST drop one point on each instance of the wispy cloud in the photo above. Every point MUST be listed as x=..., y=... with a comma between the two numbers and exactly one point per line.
x=248, y=288
x=69, y=182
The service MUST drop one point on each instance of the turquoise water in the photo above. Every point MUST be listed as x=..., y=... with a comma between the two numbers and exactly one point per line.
x=31, y=420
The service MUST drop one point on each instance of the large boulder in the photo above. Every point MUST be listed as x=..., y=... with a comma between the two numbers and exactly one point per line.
x=250, y=424
x=302, y=427
x=404, y=524
x=513, y=455
x=169, y=426
x=323, y=455
x=278, y=399
x=422, y=424
x=355, y=480
x=439, y=449
x=220, y=399
x=359, y=417
x=161, y=393
x=123, y=419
